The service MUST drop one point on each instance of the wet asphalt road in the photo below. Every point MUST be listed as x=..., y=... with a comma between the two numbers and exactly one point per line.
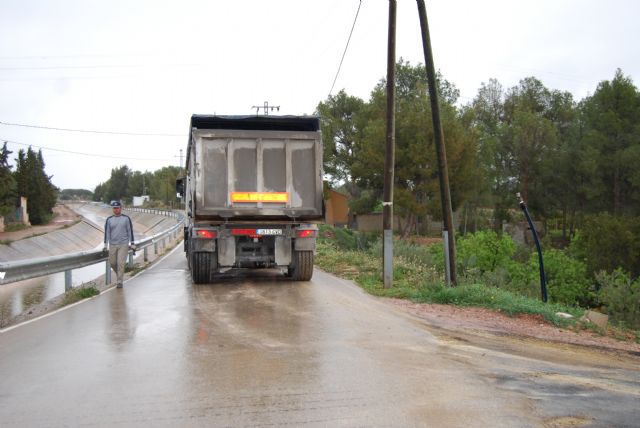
x=262, y=351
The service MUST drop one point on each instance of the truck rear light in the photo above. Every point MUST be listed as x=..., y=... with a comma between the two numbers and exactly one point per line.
x=243, y=232
x=205, y=233
x=307, y=233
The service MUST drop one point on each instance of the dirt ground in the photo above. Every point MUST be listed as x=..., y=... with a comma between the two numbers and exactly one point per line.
x=62, y=216
x=484, y=320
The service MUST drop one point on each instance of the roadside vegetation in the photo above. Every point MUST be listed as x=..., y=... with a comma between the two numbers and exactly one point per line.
x=79, y=293
x=493, y=272
x=573, y=161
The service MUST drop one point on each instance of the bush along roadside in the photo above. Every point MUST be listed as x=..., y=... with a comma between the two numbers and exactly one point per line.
x=79, y=293
x=493, y=273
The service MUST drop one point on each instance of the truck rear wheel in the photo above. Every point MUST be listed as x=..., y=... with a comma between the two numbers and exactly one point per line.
x=203, y=266
x=302, y=267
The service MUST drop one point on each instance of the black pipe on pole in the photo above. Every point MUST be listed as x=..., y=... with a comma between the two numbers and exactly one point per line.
x=389, y=159
x=543, y=279
x=443, y=173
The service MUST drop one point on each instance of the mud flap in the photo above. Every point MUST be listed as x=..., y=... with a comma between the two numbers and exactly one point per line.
x=226, y=251
x=283, y=251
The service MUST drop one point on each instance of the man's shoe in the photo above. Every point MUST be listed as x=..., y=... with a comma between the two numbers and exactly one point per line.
x=119, y=285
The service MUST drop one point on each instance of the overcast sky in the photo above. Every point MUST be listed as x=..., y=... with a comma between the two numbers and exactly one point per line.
x=143, y=67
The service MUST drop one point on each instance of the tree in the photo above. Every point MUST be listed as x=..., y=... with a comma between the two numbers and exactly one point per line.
x=35, y=185
x=163, y=184
x=416, y=179
x=139, y=183
x=530, y=136
x=339, y=125
x=100, y=192
x=125, y=183
x=526, y=135
x=495, y=161
x=612, y=134
x=7, y=182
x=118, y=184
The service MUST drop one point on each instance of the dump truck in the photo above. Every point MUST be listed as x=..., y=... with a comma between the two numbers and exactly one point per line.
x=253, y=194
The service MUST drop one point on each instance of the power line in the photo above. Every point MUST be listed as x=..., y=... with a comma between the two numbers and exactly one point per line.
x=85, y=67
x=96, y=155
x=51, y=128
x=346, y=47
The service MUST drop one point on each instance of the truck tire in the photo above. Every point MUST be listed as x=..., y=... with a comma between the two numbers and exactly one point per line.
x=302, y=267
x=203, y=265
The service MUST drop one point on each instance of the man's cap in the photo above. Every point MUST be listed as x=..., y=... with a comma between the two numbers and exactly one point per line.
x=116, y=204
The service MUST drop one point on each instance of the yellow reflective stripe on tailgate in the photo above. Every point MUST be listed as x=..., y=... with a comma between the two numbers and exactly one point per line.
x=279, y=197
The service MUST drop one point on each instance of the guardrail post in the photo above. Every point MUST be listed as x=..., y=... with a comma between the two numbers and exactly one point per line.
x=146, y=254
x=155, y=247
x=67, y=280
x=130, y=259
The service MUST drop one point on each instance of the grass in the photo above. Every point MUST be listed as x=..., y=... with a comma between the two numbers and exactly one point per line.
x=79, y=293
x=133, y=270
x=14, y=227
x=420, y=282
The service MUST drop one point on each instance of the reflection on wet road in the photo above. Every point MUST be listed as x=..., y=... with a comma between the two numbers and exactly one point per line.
x=257, y=351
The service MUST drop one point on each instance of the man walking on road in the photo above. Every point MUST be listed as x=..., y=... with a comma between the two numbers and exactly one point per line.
x=118, y=238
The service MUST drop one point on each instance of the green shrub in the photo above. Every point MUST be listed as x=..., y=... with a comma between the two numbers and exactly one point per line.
x=479, y=252
x=413, y=253
x=485, y=250
x=13, y=227
x=79, y=293
x=567, y=280
x=515, y=277
x=348, y=239
x=621, y=297
x=488, y=258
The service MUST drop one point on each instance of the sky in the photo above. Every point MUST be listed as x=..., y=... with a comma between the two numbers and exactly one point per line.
x=130, y=73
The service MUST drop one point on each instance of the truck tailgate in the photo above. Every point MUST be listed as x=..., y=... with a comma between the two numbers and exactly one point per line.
x=249, y=174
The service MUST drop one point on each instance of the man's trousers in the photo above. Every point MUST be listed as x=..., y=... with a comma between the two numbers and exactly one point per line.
x=118, y=260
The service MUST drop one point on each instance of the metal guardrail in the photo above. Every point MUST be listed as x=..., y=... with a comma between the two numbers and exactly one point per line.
x=34, y=268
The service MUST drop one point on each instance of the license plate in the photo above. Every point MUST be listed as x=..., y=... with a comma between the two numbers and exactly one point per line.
x=269, y=231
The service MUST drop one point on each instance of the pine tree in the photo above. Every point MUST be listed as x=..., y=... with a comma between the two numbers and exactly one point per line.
x=7, y=182
x=35, y=185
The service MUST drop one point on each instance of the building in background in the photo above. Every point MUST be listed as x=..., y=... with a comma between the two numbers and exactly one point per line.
x=336, y=208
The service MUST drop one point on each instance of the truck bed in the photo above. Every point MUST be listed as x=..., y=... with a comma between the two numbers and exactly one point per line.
x=247, y=168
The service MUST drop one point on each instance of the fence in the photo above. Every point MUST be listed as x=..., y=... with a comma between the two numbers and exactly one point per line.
x=33, y=268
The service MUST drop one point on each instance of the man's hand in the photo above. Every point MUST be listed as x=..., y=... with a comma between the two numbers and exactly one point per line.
x=133, y=248
x=105, y=249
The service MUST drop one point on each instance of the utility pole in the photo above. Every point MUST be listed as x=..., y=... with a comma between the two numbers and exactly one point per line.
x=266, y=108
x=180, y=157
x=443, y=174
x=389, y=158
